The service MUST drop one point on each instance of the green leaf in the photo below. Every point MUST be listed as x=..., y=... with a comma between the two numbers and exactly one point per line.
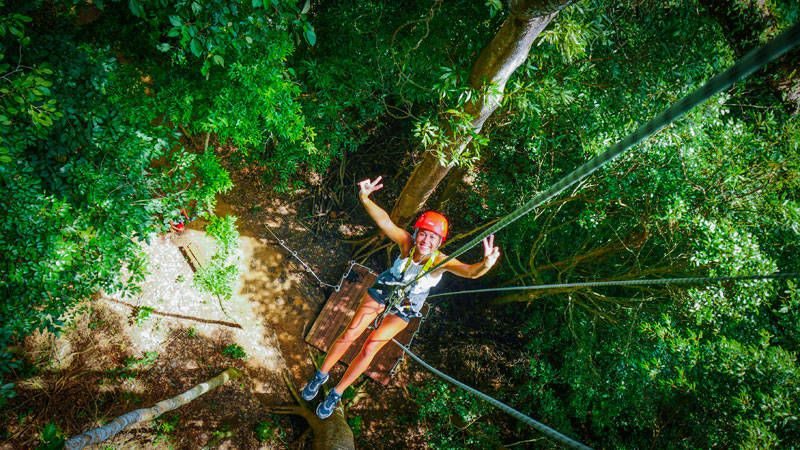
x=175, y=21
x=310, y=35
x=257, y=3
x=136, y=8
x=219, y=60
x=196, y=47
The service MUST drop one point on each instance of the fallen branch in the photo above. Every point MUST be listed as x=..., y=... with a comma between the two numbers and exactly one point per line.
x=179, y=316
x=100, y=434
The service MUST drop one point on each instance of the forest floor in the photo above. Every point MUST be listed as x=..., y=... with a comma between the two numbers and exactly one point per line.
x=121, y=354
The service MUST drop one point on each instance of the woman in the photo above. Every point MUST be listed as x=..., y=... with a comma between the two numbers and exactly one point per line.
x=418, y=253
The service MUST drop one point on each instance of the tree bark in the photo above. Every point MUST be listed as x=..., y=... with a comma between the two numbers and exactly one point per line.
x=100, y=434
x=497, y=61
x=331, y=433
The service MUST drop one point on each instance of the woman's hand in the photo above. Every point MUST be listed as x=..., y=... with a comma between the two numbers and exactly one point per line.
x=368, y=186
x=490, y=252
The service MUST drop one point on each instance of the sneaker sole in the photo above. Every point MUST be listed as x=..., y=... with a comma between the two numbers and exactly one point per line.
x=320, y=415
x=308, y=399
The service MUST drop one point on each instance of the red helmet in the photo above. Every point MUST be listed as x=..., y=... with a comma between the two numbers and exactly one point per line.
x=434, y=222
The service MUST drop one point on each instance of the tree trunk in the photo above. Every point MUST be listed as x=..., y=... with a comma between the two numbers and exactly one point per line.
x=331, y=433
x=100, y=434
x=505, y=53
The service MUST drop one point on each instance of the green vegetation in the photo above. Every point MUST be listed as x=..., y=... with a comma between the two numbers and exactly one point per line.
x=234, y=351
x=268, y=431
x=165, y=426
x=132, y=366
x=221, y=272
x=453, y=417
x=142, y=314
x=51, y=437
x=117, y=115
x=356, y=424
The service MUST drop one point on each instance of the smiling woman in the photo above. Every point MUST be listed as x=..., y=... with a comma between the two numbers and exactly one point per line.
x=410, y=277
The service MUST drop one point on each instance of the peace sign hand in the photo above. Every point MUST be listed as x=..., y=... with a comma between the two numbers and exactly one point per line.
x=490, y=252
x=368, y=186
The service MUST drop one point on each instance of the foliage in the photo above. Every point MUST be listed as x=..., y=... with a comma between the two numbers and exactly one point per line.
x=267, y=431
x=225, y=431
x=115, y=114
x=234, y=351
x=132, y=366
x=218, y=276
x=223, y=230
x=87, y=157
x=356, y=424
x=244, y=93
x=715, y=193
x=165, y=426
x=142, y=314
x=454, y=418
x=398, y=62
x=6, y=393
x=147, y=359
x=51, y=437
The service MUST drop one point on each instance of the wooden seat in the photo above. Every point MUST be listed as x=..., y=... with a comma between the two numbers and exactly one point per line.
x=335, y=316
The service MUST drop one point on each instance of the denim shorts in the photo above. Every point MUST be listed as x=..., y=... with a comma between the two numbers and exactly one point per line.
x=380, y=293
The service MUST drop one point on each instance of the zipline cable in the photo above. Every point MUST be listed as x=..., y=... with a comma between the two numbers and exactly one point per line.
x=748, y=64
x=540, y=427
x=649, y=282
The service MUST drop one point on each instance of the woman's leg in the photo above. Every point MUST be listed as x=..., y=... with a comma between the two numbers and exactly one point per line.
x=365, y=314
x=390, y=327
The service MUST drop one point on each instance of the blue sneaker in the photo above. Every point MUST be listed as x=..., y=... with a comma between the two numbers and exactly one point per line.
x=328, y=406
x=312, y=388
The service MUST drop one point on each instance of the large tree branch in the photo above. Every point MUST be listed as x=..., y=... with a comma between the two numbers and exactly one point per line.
x=496, y=63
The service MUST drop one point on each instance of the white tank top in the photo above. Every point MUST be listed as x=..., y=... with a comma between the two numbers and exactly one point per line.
x=420, y=289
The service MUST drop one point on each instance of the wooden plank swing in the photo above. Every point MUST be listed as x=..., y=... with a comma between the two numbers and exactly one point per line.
x=337, y=313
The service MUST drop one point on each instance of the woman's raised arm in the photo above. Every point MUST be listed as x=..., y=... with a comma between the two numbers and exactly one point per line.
x=398, y=235
x=477, y=270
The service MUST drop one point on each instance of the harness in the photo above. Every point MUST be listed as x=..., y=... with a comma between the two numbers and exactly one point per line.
x=398, y=297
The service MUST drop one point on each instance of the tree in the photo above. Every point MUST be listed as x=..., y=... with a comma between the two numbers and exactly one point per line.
x=496, y=63
x=100, y=109
x=331, y=433
x=715, y=193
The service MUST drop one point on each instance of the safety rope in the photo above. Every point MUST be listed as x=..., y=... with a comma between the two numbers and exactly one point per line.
x=336, y=287
x=540, y=427
x=411, y=339
x=745, y=66
x=656, y=281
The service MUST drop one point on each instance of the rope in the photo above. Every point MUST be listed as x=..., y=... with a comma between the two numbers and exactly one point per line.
x=748, y=64
x=657, y=281
x=414, y=334
x=542, y=428
x=308, y=268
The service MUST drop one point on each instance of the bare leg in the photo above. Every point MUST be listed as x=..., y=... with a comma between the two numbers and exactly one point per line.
x=390, y=327
x=365, y=314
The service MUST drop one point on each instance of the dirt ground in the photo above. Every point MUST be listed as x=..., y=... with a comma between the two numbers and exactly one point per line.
x=120, y=354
